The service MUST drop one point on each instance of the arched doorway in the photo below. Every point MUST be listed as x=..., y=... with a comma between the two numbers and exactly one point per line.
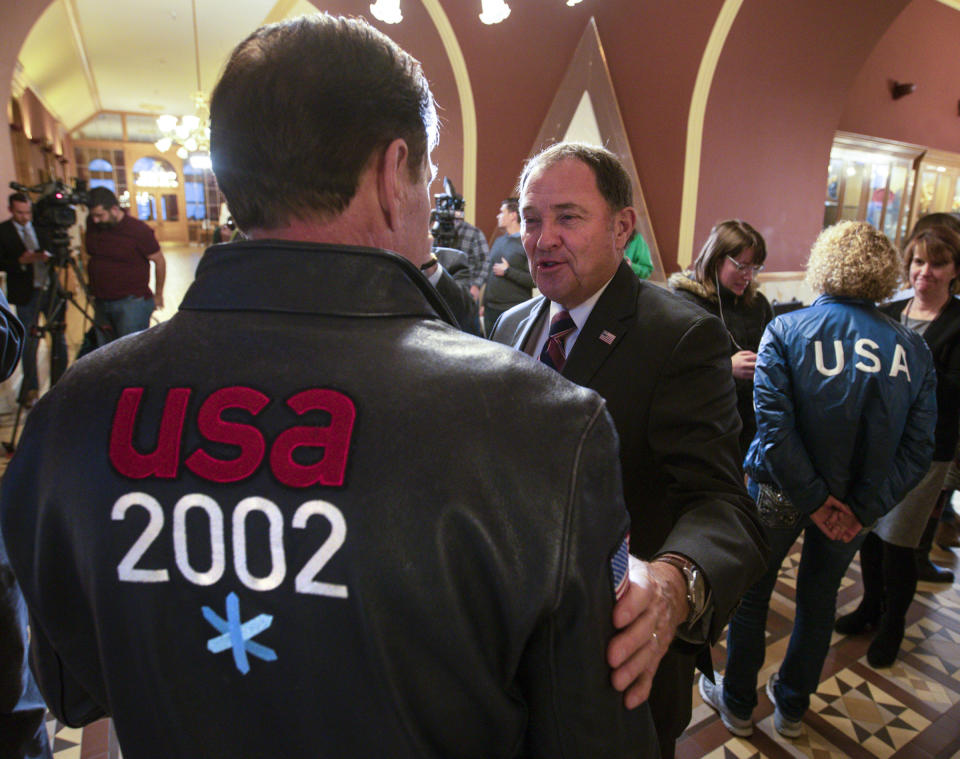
x=157, y=198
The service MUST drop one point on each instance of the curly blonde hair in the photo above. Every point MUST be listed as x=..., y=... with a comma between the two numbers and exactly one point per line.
x=853, y=260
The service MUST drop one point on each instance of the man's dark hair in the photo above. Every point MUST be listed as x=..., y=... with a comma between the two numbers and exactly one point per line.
x=301, y=109
x=613, y=182
x=103, y=197
x=17, y=197
x=513, y=205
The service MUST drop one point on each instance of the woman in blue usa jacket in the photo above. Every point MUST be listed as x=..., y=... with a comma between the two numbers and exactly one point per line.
x=845, y=411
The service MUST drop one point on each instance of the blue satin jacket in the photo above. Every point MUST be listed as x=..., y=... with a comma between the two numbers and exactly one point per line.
x=846, y=406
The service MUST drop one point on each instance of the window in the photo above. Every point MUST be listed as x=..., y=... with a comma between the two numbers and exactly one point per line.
x=103, y=167
x=146, y=207
x=193, y=190
x=154, y=172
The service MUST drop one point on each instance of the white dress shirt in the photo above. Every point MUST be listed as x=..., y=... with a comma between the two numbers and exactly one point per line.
x=579, y=314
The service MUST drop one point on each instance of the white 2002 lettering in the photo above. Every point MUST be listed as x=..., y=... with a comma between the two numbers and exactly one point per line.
x=305, y=581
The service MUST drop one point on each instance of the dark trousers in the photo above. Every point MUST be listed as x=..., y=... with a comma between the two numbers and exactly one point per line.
x=29, y=314
x=671, y=702
x=23, y=732
x=889, y=579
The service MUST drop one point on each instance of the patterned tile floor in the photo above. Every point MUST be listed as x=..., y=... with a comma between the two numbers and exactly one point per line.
x=909, y=711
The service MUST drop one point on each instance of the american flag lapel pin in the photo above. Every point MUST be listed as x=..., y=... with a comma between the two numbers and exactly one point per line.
x=608, y=337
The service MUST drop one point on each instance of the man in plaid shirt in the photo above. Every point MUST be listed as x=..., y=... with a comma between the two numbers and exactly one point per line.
x=472, y=242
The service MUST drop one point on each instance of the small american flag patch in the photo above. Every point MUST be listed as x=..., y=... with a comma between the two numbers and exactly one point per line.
x=608, y=337
x=620, y=568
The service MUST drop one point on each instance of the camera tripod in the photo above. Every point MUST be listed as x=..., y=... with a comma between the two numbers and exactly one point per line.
x=53, y=304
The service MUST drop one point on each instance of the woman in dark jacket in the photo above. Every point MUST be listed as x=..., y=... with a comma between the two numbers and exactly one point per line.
x=932, y=263
x=723, y=282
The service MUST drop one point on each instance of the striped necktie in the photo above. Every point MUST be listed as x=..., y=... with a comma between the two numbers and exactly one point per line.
x=553, y=354
x=29, y=238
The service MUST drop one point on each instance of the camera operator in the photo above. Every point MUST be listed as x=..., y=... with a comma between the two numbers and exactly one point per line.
x=120, y=249
x=24, y=260
x=449, y=230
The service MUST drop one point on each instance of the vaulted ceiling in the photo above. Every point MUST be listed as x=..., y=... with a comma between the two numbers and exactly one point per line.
x=87, y=56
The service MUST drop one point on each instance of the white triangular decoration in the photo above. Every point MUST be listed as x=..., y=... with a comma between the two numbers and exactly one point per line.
x=583, y=126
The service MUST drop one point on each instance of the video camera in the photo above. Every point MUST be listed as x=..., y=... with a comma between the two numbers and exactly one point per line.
x=448, y=208
x=53, y=214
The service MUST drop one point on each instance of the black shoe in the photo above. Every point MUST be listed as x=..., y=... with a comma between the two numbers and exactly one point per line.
x=927, y=571
x=886, y=645
x=857, y=621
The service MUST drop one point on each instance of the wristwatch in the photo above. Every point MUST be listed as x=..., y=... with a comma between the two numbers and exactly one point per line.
x=696, y=585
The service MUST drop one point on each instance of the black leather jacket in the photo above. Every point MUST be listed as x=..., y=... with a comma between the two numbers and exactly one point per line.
x=306, y=517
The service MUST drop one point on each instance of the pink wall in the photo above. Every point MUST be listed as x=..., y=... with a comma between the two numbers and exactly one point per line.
x=920, y=47
x=17, y=19
x=773, y=110
x=653, y=49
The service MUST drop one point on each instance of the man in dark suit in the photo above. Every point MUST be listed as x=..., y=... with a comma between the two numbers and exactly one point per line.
x=24, y=260
x=662, y=367
x=451, y=276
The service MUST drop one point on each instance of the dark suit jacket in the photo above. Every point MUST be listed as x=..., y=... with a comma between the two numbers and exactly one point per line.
x=19, y=276
x=454, y=288
x=943, y=339
x=667, y=380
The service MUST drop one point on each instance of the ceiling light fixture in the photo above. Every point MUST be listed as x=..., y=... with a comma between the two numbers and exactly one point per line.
x=494, y=11
x=191, y=132
x=571, y=3
x=387, y=11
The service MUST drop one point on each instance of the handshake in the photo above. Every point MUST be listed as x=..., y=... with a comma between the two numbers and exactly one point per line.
x=836, y=520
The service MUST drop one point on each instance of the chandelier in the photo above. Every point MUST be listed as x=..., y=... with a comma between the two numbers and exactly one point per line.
x=492, y=11
x=191, y=132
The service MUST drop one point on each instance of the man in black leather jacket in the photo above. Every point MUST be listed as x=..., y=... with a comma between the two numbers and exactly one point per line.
x=251, y=531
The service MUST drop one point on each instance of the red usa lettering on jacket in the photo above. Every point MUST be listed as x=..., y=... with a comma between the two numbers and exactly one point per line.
x=164, y=461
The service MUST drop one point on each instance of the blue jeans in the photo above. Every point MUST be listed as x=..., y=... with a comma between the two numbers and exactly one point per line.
x=822, y=566
x=28, y=313
x=116, y=318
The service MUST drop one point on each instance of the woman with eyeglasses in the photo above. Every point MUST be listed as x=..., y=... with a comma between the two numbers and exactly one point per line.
x=723, y=281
